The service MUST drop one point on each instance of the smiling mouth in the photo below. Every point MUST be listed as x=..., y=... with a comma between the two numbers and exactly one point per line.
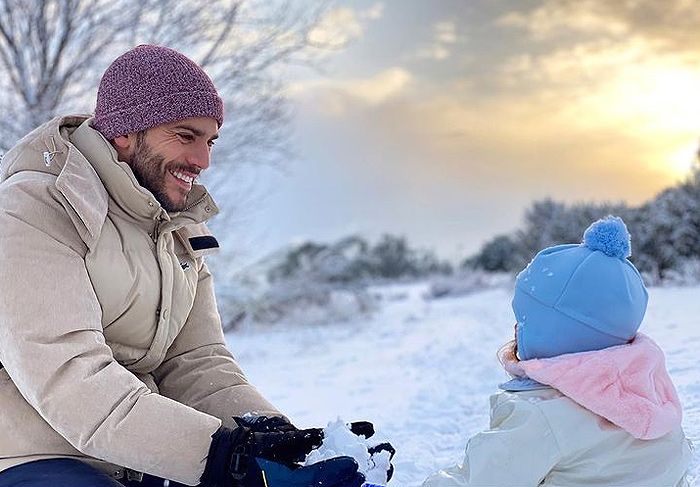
x=185, y=179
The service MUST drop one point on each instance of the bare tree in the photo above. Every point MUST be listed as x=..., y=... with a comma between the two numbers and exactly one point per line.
x=52, y=53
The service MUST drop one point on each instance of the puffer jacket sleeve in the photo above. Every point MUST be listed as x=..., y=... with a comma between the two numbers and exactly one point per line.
x=201, y=372
x=53, y=348
x=518, y=449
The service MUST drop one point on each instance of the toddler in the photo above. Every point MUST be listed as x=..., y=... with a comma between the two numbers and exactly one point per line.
x=590, y=402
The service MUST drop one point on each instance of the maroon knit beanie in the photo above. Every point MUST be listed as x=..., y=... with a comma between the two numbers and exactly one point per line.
x=153, y=85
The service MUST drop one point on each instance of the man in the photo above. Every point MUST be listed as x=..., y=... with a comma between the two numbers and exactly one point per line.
x=114, y=361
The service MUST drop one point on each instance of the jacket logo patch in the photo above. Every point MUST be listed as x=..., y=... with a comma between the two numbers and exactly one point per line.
x=48, y=154
x=203, y=243
x=185, y=265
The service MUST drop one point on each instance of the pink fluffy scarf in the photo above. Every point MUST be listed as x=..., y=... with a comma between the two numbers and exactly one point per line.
x=628, y=385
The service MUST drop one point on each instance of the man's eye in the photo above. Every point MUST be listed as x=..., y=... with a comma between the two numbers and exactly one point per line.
x=211, y=143
x=186, y=137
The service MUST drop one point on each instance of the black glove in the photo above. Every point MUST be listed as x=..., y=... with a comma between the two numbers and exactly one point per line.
x=277, y=439
x=242, y=457
x=266, y=424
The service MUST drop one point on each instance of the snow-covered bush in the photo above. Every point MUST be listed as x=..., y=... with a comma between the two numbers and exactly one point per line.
x=293, y=302
x=340, y=262
x=686, y=272
x=320, y=283
x=466, y=282
x=500, y=254
x=352, y=260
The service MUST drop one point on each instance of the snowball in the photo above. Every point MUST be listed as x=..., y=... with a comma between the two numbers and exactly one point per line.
x=338, y=441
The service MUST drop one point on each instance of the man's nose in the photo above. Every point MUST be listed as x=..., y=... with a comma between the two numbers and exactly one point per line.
x=199, y=156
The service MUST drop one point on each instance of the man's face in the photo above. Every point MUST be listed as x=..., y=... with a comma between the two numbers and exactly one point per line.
x=166, y=159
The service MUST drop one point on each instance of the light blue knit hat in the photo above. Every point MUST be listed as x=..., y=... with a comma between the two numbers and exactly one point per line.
x=576, y=298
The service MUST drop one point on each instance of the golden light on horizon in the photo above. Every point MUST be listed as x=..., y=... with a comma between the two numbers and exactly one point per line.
x=683, y=160
x=654, y=102
x=672, y=94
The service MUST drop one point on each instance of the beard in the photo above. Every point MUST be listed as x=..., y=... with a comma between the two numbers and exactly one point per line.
x=151, y=172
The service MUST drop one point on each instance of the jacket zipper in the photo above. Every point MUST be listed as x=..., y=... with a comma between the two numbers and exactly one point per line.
x=154, y=234
x=196, y=202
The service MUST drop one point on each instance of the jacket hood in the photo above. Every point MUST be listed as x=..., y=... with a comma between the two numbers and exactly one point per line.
x=628, y=385
x=44, y=149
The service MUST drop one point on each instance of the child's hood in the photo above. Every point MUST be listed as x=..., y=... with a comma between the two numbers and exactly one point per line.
x=628, y=385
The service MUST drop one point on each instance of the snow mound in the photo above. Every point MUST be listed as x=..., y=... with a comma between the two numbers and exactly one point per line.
x=338, y=441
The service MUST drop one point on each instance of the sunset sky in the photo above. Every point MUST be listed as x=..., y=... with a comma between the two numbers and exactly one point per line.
x=443, y=120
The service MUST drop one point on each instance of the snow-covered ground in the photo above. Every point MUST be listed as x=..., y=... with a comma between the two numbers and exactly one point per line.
x=422, y=371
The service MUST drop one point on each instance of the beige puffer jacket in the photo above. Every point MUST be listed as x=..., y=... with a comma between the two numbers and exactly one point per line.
x=109, y=334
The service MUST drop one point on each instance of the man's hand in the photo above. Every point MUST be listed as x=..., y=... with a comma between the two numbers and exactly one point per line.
x=292, y=445
x=275, y=438
x=285, y=446
x=265, y=424
x=242, y=457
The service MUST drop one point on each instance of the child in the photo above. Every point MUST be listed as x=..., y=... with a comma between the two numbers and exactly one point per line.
x=590, y=402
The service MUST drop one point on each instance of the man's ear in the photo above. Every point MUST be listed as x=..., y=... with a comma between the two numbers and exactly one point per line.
x=124, y=145
x=123, y=142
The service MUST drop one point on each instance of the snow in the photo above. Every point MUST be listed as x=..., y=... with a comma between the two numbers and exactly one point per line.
x=339, y=440
x=422, y=370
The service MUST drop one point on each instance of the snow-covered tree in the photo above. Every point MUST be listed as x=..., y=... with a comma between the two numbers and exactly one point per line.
x=498, y=254
x=550, y=223
x=666, y=230
x=665, y=233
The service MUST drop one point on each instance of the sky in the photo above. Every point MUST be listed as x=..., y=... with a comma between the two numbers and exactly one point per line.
x=443, y=121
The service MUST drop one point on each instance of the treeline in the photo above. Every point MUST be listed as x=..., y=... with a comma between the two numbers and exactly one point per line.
x=665, y=232
x=323, y=283
x=353, y=259
x=665, y=243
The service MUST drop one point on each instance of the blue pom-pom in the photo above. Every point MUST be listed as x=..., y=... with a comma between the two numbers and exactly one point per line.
x=609, y=235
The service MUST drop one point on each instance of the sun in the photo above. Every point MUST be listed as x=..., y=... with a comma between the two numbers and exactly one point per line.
x=682, y=161
x=654, y=102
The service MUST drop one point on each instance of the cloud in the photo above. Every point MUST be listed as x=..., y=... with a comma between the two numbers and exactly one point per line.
x=672, y=23
x=379, y=88
x=625, y=68
x=344, y=24
x=629, y=86
x=518, y=147
x=436, y=52
x=374, y=12
x=446, y=32
x=340, y=95
x=556, y=18
x=444, y=37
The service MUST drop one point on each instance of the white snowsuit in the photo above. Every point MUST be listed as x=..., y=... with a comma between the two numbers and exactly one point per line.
x=543, y=438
